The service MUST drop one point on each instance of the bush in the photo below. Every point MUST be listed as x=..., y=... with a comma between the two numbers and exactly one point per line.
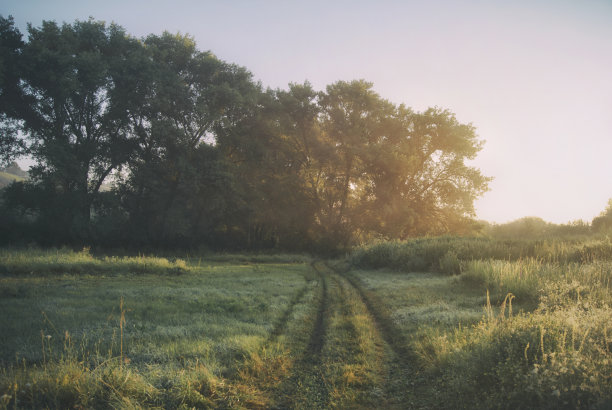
x=427, y=254
x=450, y=264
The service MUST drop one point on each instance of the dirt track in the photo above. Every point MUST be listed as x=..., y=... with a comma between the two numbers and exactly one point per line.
x=350, y=330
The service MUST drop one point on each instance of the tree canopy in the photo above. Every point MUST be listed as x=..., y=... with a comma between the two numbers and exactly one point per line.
x=196, y=153
x=603, y=222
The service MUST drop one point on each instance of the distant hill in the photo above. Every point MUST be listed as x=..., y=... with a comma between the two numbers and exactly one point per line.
x=14, y=169
x=6, y=178
x=14, y=173
x=11, y=173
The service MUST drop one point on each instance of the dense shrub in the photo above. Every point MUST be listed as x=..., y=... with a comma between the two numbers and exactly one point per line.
x=435, y=254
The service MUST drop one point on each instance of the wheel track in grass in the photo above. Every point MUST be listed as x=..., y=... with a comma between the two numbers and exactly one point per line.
x=402, y=374
x=355, y=358
x=382, y=318
x=310, y=385
x=281, y=324
x=306, y=387
x=317, y=339
x=264, y=382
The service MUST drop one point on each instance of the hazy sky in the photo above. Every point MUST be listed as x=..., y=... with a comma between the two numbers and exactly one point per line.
x=534, y=77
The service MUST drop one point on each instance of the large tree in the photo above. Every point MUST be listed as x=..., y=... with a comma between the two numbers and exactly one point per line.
x=393, y=172
x=69, y=107
x=201, y=154
x=11, y=95
x=179, y=186
x=351, y=120
x=275, y=154
x=419, y=179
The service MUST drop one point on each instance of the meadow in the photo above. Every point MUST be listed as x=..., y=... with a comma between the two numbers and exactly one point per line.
x=430, y=323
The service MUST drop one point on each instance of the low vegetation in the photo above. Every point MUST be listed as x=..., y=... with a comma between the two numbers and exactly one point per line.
x=447, y=255
x=107, y=332
x=263, y=331
x=541, y=341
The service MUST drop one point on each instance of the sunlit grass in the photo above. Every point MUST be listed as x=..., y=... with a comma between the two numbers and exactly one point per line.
x=352, y=355
x=552, y=350
x=528, y=279
x=236, y=331
x=66, y=261
x=189, y=339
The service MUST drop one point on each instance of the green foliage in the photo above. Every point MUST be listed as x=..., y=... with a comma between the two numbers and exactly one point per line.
x=603, y=222
x=198, y=154
x=551, y=360
x=431, y=254
x=536, y=228
x=521, y=278
x=529, y=279
x=62, y=97
x=391, y=171
x=11, y=96
x=450, y=263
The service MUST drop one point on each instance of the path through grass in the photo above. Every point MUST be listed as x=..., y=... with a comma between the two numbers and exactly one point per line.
x=278, y=332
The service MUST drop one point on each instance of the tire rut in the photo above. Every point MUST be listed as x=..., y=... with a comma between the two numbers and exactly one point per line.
x=382, y=319
x=281, y=324
x=355, y=358
x=402, y=373
x=306, y=387
x=317, y=339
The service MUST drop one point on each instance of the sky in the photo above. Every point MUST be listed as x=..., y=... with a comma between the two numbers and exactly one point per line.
x=533, y=76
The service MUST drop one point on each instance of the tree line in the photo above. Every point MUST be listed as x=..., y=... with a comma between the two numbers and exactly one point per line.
x=153, y=143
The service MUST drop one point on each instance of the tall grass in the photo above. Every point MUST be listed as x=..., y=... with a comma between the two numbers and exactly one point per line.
x=554, y=352
x=38, y=261
x=445, y=254
x=71, y=376
x=556, y=357
x=531, y=279
x=66, y=261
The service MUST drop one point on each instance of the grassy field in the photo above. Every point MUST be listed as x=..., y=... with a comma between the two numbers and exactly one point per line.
x=501, y=325
x=144, y=331
x=284, y=331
